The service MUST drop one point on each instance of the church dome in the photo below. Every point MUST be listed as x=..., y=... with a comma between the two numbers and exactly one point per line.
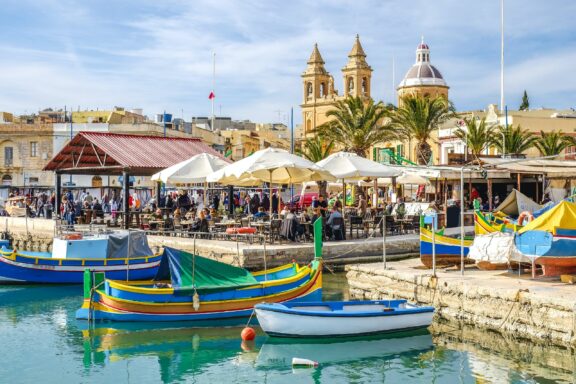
x=422, y=72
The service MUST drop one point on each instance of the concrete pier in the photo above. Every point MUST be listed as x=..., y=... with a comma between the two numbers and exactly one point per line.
x=539, y=310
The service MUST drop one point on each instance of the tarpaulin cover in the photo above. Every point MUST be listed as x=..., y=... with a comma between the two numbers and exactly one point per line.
x=494, y=247
x=517, y=202
x=128, y=244
x=189, y=273
x=563, y=215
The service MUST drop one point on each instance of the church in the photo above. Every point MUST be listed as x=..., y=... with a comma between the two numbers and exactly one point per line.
x=320, y=96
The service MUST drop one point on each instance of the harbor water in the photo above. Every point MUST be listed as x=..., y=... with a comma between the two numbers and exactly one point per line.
x=41, y=342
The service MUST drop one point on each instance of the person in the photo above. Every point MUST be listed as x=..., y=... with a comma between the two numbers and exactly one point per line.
x=83, y=195
x=97, y=207
x=275, y=202
x=200, y=224
x=183, y=202
x=254, y=203
x=265, y=203
x=247, y=202
x=88, y=197
x=207, y=215
x=289, y=228
x=361, y=206
x=213, y=214
x=474, y=194
x=114, y=208
x=321, y=204
x=69, y=211
x=216, y=201
x=496, y=201
x=334, y=226
x=261, y=214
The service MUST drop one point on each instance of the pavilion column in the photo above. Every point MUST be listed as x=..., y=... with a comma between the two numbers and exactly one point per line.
x=518, y=181
x=158, y=188
x=125, y=199
x=231, y=200
x=58, y=199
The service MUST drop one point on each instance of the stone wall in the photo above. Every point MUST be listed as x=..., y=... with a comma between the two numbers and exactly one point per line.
x=524, y=308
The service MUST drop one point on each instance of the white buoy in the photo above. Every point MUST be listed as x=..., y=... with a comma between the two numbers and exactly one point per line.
x=298, y=362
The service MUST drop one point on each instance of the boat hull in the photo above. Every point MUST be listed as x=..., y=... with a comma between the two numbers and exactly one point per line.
x=447, y=249
x=102, y=306
x=364, y=319
x=23, y=269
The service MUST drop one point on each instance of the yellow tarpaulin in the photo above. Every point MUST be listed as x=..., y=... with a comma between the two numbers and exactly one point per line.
x=562, y=215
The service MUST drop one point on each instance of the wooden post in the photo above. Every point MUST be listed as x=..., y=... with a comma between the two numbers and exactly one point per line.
x=58, y=198
x=518, y=181
x=537, y=189
x=126, y=197
x=489, y=181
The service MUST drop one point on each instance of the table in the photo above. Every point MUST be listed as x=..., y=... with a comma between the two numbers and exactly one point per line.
x=260, y=225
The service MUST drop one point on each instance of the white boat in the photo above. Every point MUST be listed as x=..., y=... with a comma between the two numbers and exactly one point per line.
x=341, y=318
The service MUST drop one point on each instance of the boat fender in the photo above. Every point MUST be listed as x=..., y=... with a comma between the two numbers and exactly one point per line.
x=196, y=301
x=298, y=362
x=248, y=334
x=525, y=215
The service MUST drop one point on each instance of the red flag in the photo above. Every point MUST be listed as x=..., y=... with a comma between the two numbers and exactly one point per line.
x=212, y=95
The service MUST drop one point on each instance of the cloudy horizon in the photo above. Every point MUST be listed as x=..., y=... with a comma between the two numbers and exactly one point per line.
x=158, y=55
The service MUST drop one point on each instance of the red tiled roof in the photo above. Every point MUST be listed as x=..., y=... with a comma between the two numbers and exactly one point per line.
x=142, y=155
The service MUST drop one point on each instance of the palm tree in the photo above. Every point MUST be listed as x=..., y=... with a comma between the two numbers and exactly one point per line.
x=516, y=139
x=477, y=135
x=417, y=117
x=316, y=149
x=552, y=143
x=357, y=125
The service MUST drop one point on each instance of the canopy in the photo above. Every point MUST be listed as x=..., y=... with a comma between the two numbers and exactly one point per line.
x=517, y=202
x=551, y=168
x=563, y=215
x=124, y=244
x=271, y=165
x=191, y=273
x=193, y=170
x=345, y=165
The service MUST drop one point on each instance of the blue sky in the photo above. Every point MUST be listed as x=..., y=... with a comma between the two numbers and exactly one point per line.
x=157, y=55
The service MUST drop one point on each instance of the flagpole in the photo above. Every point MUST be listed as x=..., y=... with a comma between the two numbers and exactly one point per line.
x=213, y=86
x=501, y=55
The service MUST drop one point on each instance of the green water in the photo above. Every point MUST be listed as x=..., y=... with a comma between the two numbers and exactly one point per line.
x=41, y=342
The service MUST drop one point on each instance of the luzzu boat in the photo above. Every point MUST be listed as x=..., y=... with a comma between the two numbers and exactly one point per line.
x=550, y=240
x=193, y=288
x=497, y=222
x=447, y=249
x=120, y=255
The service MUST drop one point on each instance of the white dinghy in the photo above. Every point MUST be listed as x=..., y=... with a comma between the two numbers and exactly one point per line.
x=341, y=318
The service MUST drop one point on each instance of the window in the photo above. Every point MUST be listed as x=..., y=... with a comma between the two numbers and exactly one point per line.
x=33, y=148
x=33, y=180
x=96, y=182
x=309, y=89
x=6, y=180
x=350, y=85
x=8, y=156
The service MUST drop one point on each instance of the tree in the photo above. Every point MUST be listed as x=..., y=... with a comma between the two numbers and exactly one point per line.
x=417, y=117
x=552, y=143
x=525, y=102
x=316, y=149
x=357, y=125
x=516, y=139
x=477, y=135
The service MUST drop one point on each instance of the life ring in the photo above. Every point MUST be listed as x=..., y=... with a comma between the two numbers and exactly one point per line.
x=523, y=216
x=246, y=230
x=72, y=236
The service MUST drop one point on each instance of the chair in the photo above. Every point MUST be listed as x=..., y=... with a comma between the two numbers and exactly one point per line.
x=275, y=226
x=356, y=222
x=392, y=227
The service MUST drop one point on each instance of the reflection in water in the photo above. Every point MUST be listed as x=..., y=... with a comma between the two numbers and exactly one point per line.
x=494, y=357
x=38, y=322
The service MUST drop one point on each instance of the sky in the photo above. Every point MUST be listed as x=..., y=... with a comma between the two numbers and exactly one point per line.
x=158, y=54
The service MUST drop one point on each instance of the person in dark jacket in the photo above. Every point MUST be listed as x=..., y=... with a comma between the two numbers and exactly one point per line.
x=275, y=202
x=265, y=203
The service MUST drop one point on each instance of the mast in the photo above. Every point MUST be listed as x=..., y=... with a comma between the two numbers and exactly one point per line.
x=213, y=86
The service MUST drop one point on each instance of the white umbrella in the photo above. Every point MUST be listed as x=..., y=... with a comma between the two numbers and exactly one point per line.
x=271, y=165
x=412, y=178
x=350, y=166
x=191, y=171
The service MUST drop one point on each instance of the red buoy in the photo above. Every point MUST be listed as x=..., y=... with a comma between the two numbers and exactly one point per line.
x=248, y=334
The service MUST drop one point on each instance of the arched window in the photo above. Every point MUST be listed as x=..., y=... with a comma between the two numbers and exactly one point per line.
x=323, y=89
x=6, y=180
x=308, y=125
x=364, y=86
x=309, y=89
x=350, y=85
x=96, y=182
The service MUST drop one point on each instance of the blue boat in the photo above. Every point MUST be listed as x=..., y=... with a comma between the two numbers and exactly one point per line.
x=341, y=318
x=447, y=249
x=121, y=255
